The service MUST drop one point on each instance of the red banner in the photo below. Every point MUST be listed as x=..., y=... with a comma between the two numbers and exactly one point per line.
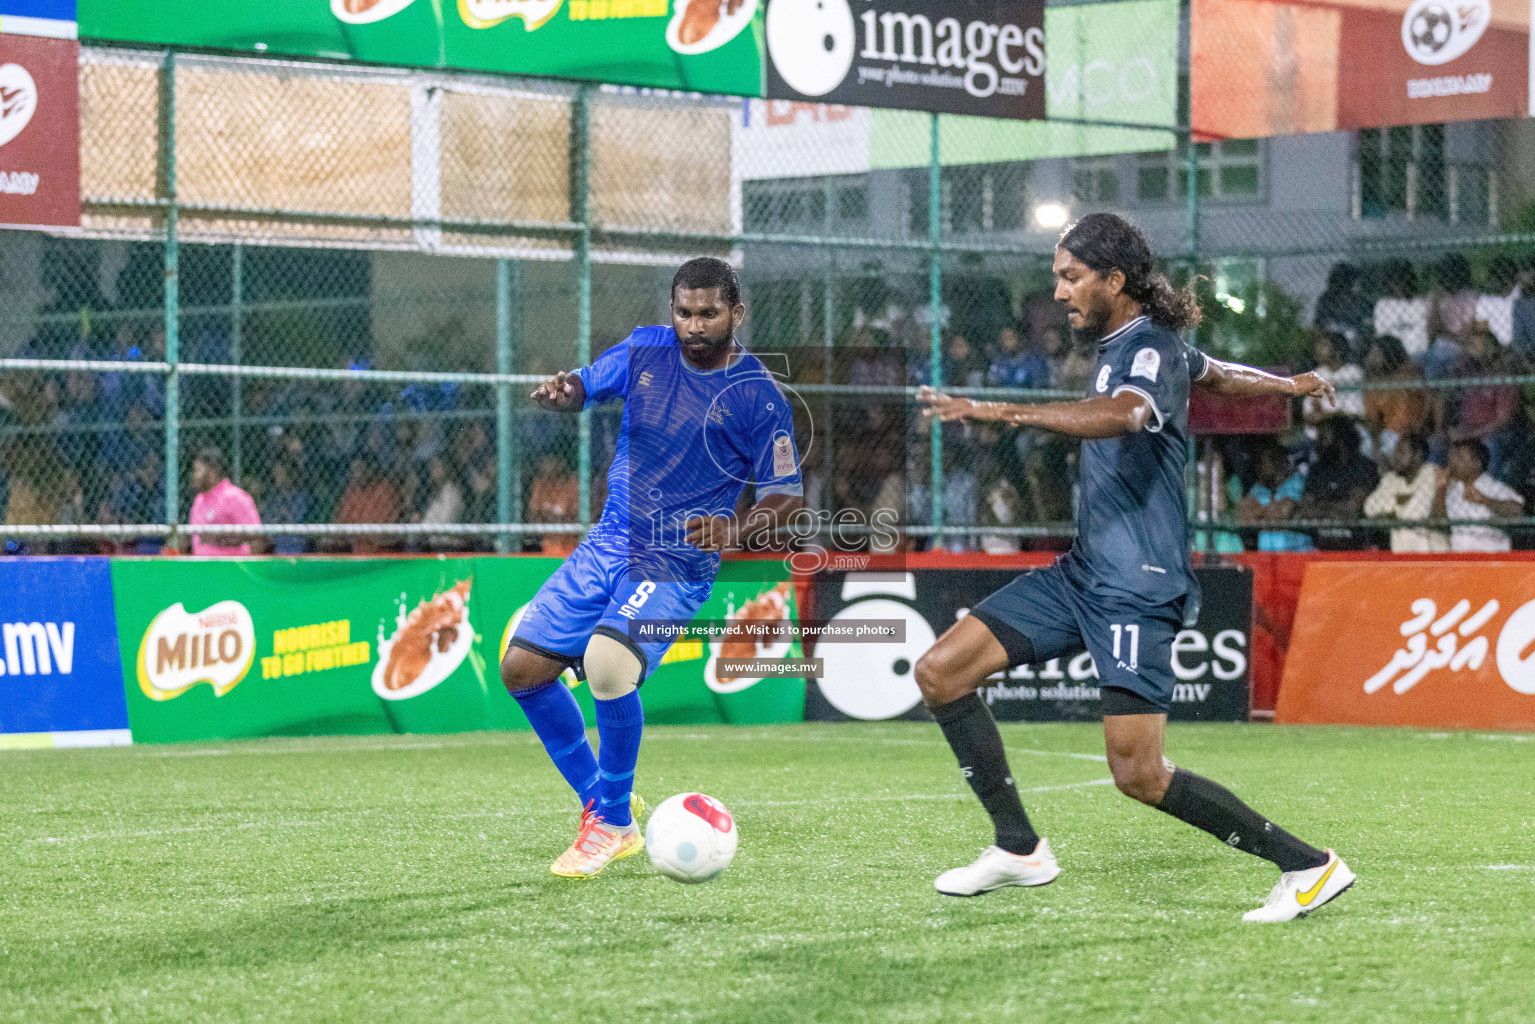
x=39, y=131
x=1261, y=67
x=1440, y=645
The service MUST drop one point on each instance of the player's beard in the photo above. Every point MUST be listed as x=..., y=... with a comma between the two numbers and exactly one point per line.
x=1095, y=320
x=707, y=348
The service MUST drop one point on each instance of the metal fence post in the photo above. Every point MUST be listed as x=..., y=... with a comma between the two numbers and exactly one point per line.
x=237, y=353
x=581, y=145
x=935, y=303
x=828, y=343
x=172, y=295
x=508, y=454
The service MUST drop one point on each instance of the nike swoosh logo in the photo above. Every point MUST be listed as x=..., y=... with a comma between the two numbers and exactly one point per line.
x=1305, y=898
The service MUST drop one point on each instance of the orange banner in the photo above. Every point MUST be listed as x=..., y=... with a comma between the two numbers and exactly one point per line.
x=1442, y=645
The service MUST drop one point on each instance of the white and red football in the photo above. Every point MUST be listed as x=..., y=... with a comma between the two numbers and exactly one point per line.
x=691, y=837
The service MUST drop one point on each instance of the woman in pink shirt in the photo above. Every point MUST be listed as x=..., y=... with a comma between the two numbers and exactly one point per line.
x=220, y=502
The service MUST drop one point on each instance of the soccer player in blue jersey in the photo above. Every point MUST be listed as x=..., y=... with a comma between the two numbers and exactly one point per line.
x=1126, y=587
x=702, y=418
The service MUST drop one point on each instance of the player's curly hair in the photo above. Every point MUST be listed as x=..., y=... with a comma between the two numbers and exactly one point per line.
x=1106, y=241
x=709, y=272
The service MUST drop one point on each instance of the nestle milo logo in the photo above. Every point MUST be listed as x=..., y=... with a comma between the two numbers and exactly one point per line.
x=180, y=649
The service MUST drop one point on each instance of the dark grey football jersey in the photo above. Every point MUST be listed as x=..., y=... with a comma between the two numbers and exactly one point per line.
x=1132, y=534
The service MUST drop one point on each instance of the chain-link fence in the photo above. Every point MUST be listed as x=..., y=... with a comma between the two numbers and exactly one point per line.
x=342, y=283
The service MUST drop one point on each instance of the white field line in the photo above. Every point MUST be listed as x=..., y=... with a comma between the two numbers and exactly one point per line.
x=523, y=813
x=1507, y=867
x=268, y=751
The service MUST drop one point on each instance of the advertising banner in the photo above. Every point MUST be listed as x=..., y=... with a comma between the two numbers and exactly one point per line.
x=1104, y=62
x=1264, y=68
x=61, y=682
x=1443, y=645
x=981, y=57
x=975, y=57
x=264, y=647
x=702, y=45
x=216, y=649
x=39, y=114
x=685, y=688
x=874, y=681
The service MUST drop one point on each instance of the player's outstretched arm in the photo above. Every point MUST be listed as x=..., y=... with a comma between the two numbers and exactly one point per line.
x=1091, y=418
x=1225, y=378
x=563, y=392
x=754, y=533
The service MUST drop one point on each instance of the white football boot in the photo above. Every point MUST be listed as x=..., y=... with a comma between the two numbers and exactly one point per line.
x=1300, y=892
x=995, y=868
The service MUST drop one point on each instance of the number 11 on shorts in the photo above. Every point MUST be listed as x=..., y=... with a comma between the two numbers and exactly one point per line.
x=1134, y=632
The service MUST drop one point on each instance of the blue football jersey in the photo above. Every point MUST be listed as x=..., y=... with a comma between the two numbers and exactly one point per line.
x=1132, y=524
x=690, y=442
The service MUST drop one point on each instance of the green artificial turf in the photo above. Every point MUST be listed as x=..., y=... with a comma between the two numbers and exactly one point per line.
x=406, y=879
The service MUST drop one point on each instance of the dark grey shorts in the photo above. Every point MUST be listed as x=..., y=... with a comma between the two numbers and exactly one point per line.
x=1043, y=614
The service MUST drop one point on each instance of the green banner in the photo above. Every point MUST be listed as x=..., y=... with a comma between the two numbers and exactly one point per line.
x=271, y=647
x=654, y=43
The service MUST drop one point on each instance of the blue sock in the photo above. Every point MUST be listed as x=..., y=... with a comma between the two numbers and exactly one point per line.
x=619, y=725
x=556, y=718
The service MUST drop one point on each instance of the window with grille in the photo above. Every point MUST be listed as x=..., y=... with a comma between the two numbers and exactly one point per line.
x=1405, y=172
x=1230, y=169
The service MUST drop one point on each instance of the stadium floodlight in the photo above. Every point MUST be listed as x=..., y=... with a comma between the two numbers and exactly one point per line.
x=1051, y=216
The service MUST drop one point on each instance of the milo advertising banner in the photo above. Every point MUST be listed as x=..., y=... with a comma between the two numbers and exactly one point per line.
x=216, y=649
x=686, y=687
x=703, y=45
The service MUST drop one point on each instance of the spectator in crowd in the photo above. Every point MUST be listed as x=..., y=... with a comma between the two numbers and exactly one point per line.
x=446, y=503
x=480, y=503
x=1454, y=298
x=1487, y=411
x=1523, y=312
x=79, y=418
x=1331, y=353
x=1000, y=506
x=73, y=512
x=1467, y=491
x=1273, y=499
x=369, y=498
x=1071, y=367
x=220, y=502
x=1048, y=472
x=28, y=504
x=1016, y=364
x=1395, y=411
x=1407, y=494
x=1495, y=307
x=1342, y=309
x=471, y=446
x=962, y=367
x=1402, y=311
x=959, y=486
x=138, y=496
x=286, y=503
x=1338, y=482
x=877, y=361
x=555, y=498
x=120, y=389
x=152, y=385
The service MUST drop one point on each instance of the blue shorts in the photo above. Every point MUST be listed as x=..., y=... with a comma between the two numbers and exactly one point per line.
x=1044, y=614
x=599, y=590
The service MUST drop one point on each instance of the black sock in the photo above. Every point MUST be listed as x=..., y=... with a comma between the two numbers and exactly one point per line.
x=972, y=734
x=1210, y=806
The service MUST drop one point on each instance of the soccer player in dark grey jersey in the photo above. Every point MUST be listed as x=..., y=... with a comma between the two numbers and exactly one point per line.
x=1125, y=588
